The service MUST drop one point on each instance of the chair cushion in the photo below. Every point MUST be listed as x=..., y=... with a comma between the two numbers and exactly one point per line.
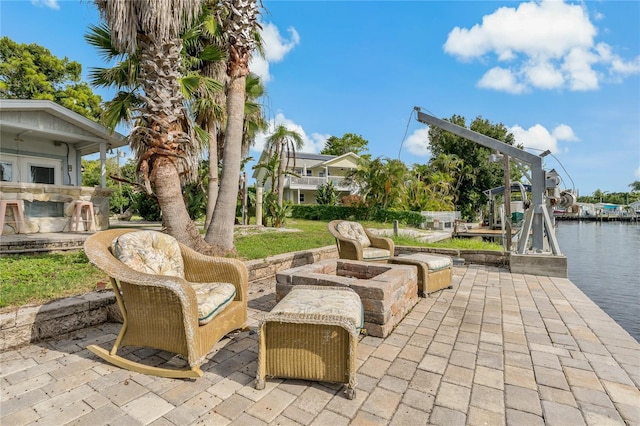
x=353, y=231
x=151, y=252
x=437, y=263
x=373, y=253
x=306, y=302
x=212, y=299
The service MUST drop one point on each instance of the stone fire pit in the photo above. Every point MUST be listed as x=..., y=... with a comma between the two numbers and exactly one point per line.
x=387, y=291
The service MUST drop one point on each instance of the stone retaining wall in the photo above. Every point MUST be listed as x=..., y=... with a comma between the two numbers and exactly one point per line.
x=34, y=323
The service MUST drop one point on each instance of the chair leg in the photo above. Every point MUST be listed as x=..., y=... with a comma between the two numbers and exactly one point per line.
x=187, y=373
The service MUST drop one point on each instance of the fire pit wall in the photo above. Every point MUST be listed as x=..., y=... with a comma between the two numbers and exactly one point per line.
x=388, y=292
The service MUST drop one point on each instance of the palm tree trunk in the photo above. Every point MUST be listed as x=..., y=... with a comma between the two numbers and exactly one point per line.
x=175, y=217
x=212, y=189
x=220, y=232
x=281, y=178
x=165, y=132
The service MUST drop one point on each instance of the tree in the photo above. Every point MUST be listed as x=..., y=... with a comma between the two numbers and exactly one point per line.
x=204, y=44
x=200, y=56
x=327, y=194
x=380, y=181
x=162, y=140
x=239, y=24
x=635, y=186
x=349, y=142
x=121, y=198
x=283, y=143
x=30, y=71
x=478, y=174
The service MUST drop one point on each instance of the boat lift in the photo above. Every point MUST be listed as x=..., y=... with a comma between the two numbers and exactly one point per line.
x=538, y=223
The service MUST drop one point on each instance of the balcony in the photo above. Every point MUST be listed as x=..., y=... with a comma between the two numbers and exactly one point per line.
x=313, y=182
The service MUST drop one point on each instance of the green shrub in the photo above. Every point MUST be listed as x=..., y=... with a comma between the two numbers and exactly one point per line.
x=328, y=213
x=147, y=207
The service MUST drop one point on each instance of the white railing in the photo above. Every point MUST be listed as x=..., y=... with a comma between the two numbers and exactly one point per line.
x=314, y=182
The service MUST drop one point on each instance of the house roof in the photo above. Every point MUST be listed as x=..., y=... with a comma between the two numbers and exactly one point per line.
x=311, y=156
x=85, y=135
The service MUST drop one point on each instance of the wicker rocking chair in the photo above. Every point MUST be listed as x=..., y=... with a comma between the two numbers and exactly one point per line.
x=356, y=243
x=164, y=310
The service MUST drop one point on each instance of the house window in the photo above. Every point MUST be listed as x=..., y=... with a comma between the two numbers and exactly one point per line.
x=301, y=198
x=321, y=173
x=6, y=171
x=43, y=174
x=309, y=172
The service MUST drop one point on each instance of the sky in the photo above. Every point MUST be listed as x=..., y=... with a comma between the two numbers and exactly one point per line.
x=563, y=76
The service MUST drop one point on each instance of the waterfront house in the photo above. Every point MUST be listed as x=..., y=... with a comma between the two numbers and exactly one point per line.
x=41, y=147
x=312, y=171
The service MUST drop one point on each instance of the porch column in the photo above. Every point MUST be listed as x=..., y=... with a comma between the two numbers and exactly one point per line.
x=103, y=164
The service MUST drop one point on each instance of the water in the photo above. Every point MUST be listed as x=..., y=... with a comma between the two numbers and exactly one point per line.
x=604, y=262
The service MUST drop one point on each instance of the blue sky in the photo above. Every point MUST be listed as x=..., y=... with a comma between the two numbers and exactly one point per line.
x=563, y=76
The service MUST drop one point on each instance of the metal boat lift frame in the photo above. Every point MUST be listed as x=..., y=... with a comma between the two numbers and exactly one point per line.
x=537, y=217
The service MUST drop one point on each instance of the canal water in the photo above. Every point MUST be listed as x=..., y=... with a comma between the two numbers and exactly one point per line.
x=604, y=262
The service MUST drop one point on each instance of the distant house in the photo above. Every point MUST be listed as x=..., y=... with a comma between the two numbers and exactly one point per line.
x=41, y=146
x=314, y=170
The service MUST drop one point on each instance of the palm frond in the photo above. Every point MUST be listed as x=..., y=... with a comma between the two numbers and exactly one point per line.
x=122, y=76
x=99, y=36
x=120, y=109
x=212, y=53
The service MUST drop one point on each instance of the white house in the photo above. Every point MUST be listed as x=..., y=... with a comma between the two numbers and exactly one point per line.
x=41, y=146
x=314, y=170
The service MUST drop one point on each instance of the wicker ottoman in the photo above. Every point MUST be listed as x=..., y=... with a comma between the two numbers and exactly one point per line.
x=434, y=271
x=312, y=334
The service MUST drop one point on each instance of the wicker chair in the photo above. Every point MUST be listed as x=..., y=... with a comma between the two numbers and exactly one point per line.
x=355, y=242
x=161, y=312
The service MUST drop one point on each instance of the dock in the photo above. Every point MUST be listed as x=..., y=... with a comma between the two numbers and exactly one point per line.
x=498, y=349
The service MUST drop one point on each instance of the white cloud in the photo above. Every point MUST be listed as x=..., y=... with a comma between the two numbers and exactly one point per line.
x=501, y=79
x=276, y=48
x=548, y=44
x=538, y=138
x=312, y=143
x=53, y=4
x=564, y=133
x=418, y=142
x=637, y=172
x=544, y=75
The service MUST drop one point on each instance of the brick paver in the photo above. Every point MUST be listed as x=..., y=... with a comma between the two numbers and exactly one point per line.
x=499, y=349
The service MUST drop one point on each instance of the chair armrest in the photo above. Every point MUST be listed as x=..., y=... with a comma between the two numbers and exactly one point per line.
x=200, y=268
x=349, y=249
x=381, y=242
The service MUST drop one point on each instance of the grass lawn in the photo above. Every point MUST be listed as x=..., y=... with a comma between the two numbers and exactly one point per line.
x=38, y=278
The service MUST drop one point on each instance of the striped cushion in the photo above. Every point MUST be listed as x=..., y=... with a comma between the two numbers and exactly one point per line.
x=212, y=299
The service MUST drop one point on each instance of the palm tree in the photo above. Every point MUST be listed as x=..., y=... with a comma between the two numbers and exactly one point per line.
x=271, y=167
x=162, y=139
x=239, y=25
x=380, y=181
x=283, y=143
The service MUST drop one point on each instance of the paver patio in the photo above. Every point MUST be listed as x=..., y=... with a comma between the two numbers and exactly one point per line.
x=499, y=348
